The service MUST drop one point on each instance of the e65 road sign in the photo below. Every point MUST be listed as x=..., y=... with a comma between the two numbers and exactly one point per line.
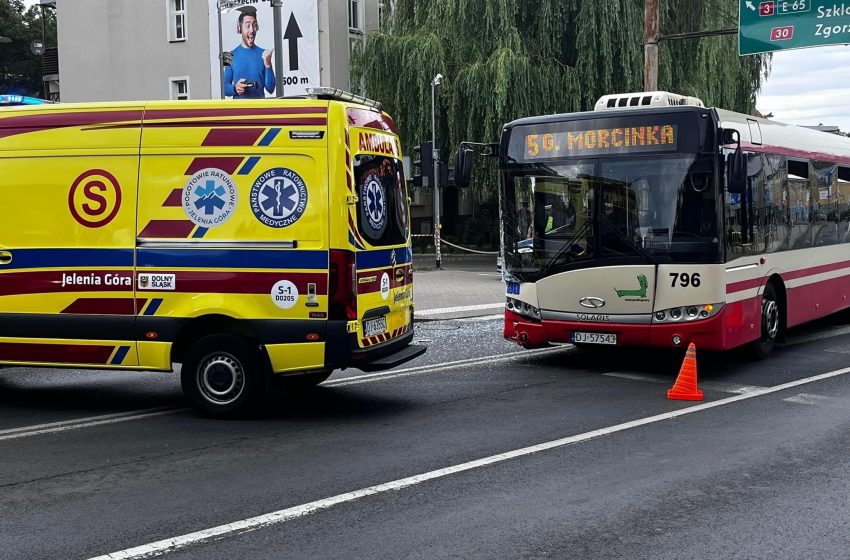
x=773, y=25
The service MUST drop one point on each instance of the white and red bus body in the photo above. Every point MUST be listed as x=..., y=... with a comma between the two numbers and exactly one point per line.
x=776, y=256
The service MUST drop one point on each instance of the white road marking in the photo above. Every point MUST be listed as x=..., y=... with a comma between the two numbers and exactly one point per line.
x=830, y=333
x=839, y=349
x=806, y=398
x=406, y=372
x=482, y=319
x=734, y=388
x=719, y=386
x=79, y=423
x=173, y=544
x=458, y=309
x=639, y=377
x=67, y=425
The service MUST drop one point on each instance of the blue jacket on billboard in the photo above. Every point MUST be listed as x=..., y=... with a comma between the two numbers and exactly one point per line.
x=248, y=65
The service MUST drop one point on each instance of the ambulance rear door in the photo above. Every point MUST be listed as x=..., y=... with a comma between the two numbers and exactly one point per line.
x=382, y=238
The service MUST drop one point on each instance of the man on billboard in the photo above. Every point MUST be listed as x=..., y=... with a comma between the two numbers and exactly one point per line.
x=250, y=71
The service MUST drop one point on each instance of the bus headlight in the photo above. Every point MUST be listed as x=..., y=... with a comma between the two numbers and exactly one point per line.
x=688, y=313
x=522, y=308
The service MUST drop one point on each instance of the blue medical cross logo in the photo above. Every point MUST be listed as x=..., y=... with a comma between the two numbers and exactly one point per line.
x=209, y=198
x=281, y=195
x=375, y=203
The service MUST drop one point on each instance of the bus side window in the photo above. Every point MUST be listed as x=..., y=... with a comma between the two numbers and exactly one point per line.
x=799, y=199
x=776, y=217
x=843, y=204
x=824, y=204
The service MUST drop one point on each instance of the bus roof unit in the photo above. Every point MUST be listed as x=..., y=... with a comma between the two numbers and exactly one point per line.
x=645, y=99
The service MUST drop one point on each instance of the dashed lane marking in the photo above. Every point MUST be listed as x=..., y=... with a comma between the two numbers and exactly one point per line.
x=79, y=423
x=719, y=386
x=106, y=419
x=829, y=333
x=458, y=309
x=807, y=398
x=407, y=372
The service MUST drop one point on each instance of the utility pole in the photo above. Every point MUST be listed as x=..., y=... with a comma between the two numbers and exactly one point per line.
x=651, y=36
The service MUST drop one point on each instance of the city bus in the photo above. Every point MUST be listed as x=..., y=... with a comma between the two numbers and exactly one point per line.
x=655, y=221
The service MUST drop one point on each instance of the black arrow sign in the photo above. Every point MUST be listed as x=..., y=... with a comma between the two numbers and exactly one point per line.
x=293, y=33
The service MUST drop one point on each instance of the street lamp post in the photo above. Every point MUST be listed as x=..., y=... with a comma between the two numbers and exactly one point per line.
x=438, y=79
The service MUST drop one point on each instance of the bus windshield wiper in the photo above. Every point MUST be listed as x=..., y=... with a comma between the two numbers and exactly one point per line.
x=567, y=246
x=629, y=241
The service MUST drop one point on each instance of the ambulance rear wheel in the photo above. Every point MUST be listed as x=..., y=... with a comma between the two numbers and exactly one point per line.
x=224, y=375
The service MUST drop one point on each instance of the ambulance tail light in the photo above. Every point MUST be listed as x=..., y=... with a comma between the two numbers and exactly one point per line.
x=342, y=286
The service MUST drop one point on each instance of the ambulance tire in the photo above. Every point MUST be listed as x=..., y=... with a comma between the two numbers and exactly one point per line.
x=225, y=376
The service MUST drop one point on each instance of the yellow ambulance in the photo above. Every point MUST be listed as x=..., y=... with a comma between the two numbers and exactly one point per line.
x=245, y=241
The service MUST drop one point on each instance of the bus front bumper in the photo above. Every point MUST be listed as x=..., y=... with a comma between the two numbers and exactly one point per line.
x=730, y=328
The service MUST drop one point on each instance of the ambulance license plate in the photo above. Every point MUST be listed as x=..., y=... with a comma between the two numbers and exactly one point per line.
x=595, y=338
x=375, y=326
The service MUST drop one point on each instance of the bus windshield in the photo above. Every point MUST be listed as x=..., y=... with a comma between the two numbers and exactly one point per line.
x=623, y=210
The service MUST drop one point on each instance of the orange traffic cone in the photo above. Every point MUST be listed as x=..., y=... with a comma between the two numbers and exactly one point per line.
x=685, y=388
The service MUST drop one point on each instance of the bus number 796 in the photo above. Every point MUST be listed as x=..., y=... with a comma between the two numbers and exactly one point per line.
x=684, y=279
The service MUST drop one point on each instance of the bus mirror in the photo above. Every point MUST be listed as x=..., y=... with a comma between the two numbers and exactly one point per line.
x=736, y=172
x=463, y=167
x=730, y=136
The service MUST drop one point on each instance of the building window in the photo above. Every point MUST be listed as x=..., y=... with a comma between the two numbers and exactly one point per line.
x=354, y=14
x=179, y=88
x=177, y=19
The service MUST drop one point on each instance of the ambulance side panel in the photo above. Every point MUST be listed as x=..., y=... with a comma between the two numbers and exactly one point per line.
x=233, y=229
x=67, y=235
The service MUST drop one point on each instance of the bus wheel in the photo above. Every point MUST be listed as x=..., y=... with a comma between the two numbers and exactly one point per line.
x=770, y=314
x=224, y=375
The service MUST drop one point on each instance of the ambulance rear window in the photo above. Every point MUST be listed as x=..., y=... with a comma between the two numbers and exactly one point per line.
x=382, y=213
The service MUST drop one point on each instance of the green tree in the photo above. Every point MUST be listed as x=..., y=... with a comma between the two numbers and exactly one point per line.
x=505, y=59
x=20, y=69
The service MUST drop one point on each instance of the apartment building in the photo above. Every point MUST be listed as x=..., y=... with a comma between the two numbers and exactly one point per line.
x=115, y=50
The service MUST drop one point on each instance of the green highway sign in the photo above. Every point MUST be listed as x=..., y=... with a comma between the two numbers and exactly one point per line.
x=773, y=25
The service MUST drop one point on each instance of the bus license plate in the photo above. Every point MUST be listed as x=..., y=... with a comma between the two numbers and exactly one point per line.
x=375, y=326
x=594, y=338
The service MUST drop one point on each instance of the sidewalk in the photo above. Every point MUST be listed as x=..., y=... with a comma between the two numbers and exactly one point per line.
x=466, y=286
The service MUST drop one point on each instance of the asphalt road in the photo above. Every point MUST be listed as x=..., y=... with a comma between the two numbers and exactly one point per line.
x=473, y=451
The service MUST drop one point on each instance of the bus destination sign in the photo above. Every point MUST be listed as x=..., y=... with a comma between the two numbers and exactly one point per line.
x=600, y=141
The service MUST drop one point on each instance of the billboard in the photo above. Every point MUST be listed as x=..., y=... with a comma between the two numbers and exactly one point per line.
x=247, y=42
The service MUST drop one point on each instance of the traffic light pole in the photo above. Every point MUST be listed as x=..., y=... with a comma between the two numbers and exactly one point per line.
x=437, y=225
